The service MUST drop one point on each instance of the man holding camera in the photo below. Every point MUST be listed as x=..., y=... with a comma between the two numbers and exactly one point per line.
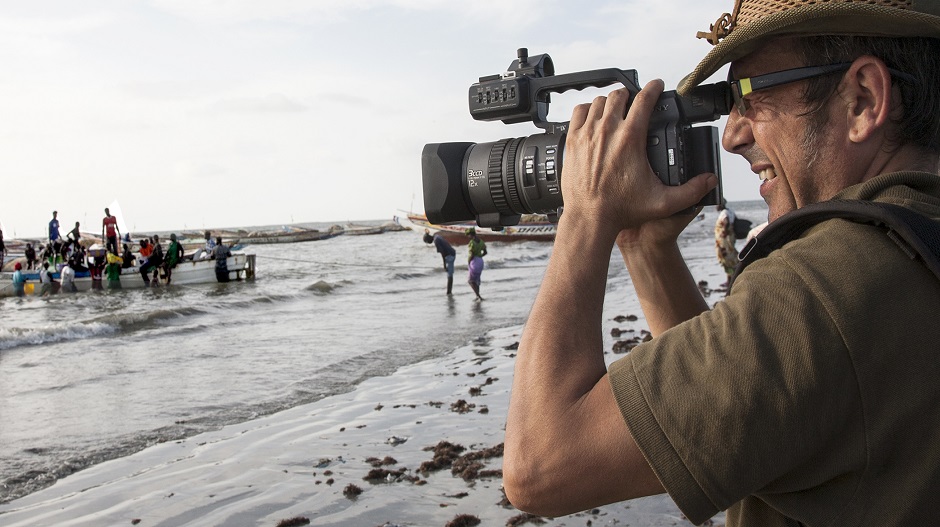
x=808, y=396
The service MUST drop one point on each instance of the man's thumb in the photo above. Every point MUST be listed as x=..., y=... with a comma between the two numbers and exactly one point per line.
x=691, y=192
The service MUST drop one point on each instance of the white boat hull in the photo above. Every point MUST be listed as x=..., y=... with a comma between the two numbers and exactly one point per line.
x=188, y=272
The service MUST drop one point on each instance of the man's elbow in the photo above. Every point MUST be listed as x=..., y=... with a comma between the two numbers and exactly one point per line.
x=518, y=483
x=529, y=486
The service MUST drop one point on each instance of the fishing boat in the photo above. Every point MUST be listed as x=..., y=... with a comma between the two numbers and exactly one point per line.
x=293, y=235
x=194, y=244
x=352, y=229
x=532, y=227
x=187, y=272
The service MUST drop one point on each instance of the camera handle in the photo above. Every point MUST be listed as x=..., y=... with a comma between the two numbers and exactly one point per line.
x=513, y=98
x=543, y=86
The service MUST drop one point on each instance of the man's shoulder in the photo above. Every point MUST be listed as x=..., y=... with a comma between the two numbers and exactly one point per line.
x=840, y=251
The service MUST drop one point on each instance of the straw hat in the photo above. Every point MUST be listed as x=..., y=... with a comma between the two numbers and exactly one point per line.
x=754, y=21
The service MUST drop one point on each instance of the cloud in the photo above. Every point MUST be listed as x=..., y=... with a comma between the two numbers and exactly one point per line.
x=348, y=99
x=517, y=14
x=188, y=170
x=23, y=38
x=242, y=11
x=50, y=26
x=272, y=103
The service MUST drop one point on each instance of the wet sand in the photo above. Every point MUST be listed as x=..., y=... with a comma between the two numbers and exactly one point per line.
x=365, y=458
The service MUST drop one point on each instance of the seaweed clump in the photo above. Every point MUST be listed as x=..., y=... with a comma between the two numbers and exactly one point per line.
x=293, y=522
x=445, y=453
x=463, y=520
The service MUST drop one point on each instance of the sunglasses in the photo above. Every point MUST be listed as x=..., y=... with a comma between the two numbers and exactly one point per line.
x=741, y=88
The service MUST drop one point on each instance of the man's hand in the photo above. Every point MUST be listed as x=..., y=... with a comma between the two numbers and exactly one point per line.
x=607, y=180
x=655, y=233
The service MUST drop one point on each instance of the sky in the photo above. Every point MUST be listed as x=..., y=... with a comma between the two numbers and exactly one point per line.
x=194, y=114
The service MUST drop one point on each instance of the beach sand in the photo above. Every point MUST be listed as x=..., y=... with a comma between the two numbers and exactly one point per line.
x=308, y=464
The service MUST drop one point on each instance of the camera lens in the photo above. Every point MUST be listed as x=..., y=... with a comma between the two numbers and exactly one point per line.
x=497, y=182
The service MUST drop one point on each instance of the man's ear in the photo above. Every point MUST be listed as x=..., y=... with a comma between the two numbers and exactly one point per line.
x=867, y=92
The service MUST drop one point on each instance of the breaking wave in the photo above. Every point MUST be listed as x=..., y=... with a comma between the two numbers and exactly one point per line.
x=16, y=337
x=96, y=327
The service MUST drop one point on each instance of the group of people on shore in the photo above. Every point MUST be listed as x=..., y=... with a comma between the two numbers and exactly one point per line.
x=67, y=256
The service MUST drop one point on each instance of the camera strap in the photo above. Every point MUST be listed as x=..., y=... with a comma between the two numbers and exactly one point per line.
x=916, y=234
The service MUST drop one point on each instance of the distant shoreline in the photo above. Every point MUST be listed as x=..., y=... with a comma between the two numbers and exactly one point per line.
x=137, y=234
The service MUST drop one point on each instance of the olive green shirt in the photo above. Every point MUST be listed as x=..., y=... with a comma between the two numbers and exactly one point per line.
x=476, y=247
x=811, y=392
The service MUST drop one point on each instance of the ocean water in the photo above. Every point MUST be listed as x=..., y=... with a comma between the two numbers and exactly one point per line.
x=91, y=377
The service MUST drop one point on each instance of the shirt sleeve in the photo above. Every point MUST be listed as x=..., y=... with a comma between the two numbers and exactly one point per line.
x=739, y=399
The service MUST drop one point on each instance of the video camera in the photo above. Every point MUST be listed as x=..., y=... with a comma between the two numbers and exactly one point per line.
x=495, y=183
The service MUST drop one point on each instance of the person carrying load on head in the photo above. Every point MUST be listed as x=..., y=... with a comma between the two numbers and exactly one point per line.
x=477, y=250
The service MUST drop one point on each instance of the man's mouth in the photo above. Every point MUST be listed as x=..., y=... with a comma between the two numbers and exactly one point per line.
x=767, y=174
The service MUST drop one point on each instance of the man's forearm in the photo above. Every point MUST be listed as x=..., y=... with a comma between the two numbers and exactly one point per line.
x=664, y=285
x=563, y=423
x=560, y=356
x=563, y=331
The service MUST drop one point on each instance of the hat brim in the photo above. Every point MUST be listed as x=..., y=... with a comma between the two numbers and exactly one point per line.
x=816, y=19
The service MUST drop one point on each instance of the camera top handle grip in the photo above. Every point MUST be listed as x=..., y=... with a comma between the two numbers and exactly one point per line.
x=515, y=99
x=586, y=79
x=577, y=81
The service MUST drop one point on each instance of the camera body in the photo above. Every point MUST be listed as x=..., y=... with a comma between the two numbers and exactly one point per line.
x=495, y=183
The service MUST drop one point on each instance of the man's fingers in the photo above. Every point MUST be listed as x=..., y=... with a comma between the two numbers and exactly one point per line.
x=643, y=105
x=689, y=193
x=578, y=116
x=617, y=103
x=597, y=108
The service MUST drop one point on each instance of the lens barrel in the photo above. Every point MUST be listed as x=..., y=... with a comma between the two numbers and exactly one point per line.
x=499, y=181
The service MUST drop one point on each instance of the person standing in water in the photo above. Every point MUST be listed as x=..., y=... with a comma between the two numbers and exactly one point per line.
x=113, y=270
x=477, y=250
x=154, y=261
x=174, y=255
x=19, y=280
x=67, y=277
x=448, y=254
x=221, y=253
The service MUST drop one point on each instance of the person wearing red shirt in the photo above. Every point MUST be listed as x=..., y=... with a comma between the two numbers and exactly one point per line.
x=110, y=231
